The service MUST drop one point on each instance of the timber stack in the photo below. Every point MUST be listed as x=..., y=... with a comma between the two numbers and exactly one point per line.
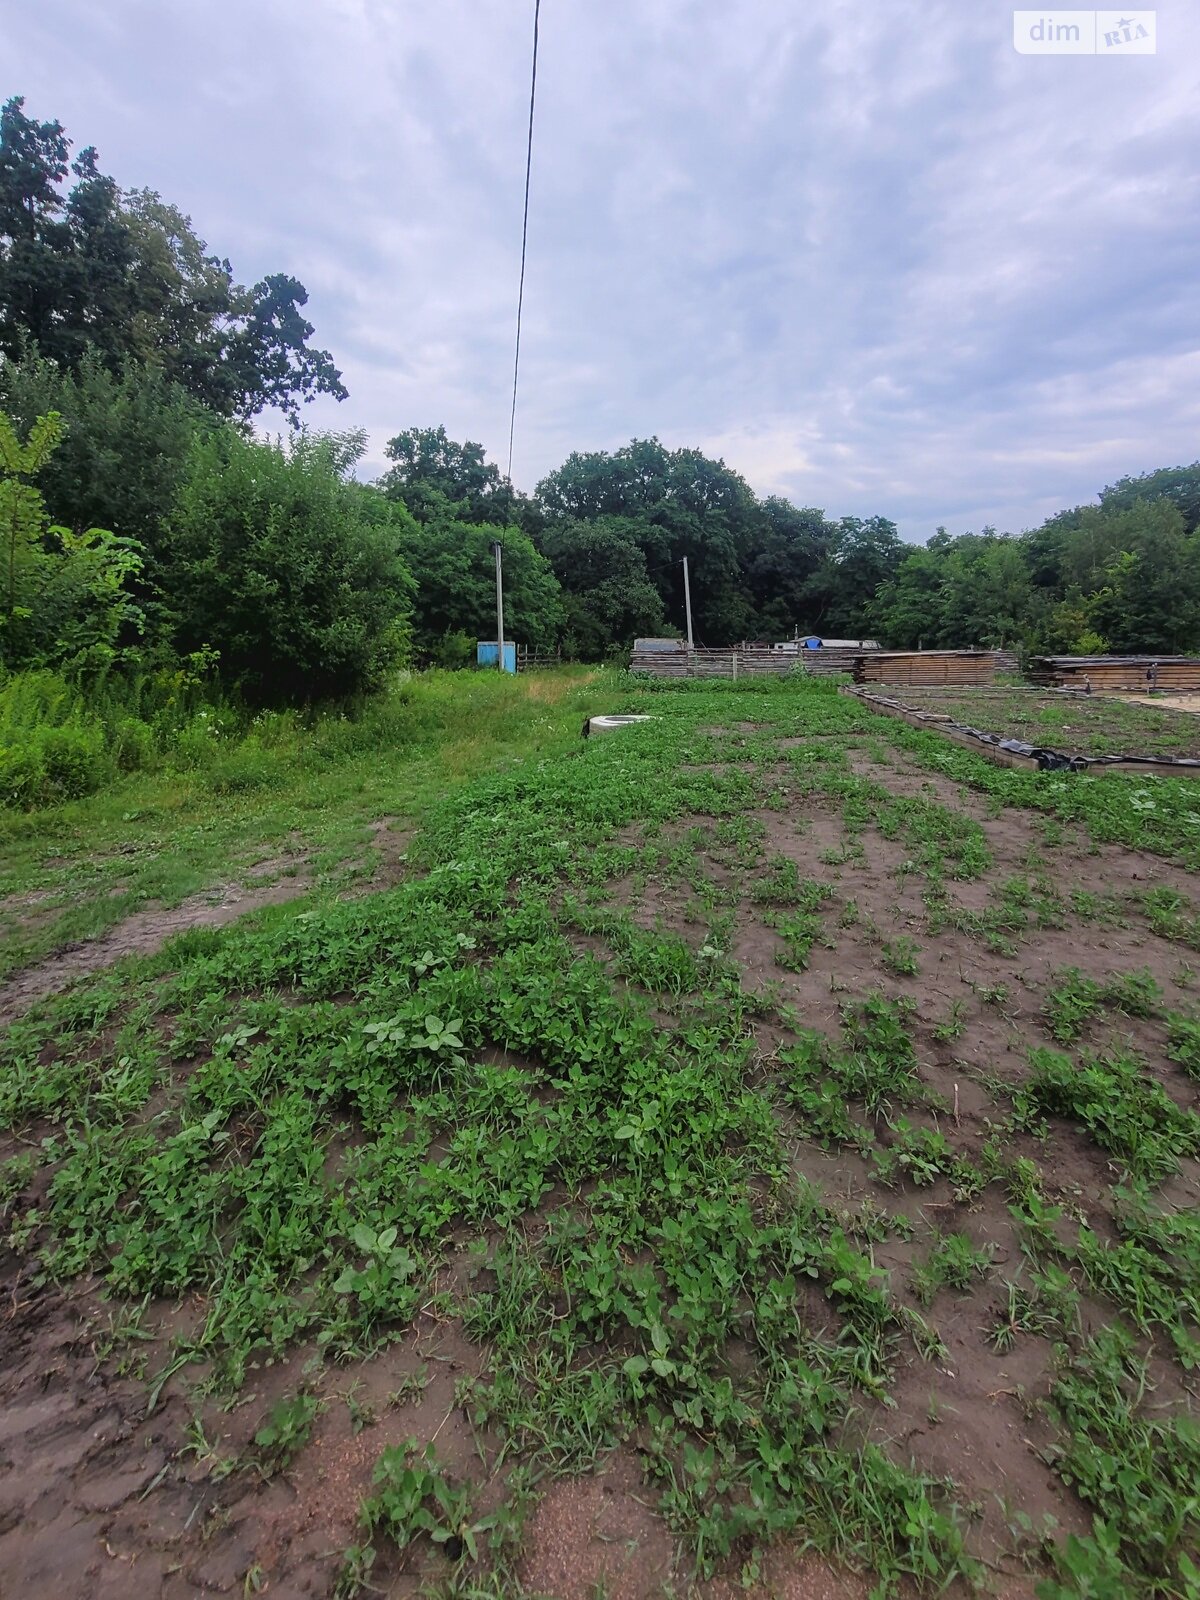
x=1118, y=674
x=931, y=667
x=830, y=659
x=680, y=662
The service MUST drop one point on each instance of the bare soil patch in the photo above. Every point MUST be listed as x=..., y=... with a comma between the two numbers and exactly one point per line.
x=147, y=931
x=98, y=1498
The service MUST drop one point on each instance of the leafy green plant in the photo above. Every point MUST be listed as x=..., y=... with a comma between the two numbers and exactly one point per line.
x=382, y=1285
x=1069, y=1006
x=62, y=593
x=953, y=1025
x=953, y=1260
x=1184, y=1043
x=1138, y=1472
x=286, y=1430
x=922, y=1155
x=413, y=1496
x=1125, y=1110
x=900, y=955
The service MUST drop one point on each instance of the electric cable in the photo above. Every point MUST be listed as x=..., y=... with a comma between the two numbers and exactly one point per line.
x=512, y=421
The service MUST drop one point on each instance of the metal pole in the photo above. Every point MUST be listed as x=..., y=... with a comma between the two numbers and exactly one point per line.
x=499, y=606
x=687, y=603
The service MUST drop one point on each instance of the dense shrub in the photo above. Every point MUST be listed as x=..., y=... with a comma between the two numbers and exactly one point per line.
x=287, y=569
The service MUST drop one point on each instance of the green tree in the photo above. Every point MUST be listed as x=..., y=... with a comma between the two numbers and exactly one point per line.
x=985, y=592
x=64, y=594
x=1179, y=485
x=1150, y=601
x=779, y=564
x=864, y=555
x=287, y=567
x=454, y=569
x=608, y=599
x=128, y=435
x=910, y=607
x=436, y=477
x=126, y=275
x=681, y=503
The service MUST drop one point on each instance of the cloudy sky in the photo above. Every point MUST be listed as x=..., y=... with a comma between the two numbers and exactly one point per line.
x=862, y=249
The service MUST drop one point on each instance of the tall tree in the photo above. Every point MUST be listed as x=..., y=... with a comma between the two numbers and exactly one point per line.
x=126, y=439
x=435, y=476
x=681, y=503
x=63, y=595
x=1179, y=485
x=781, y=563
x=864, y=554
x=608, y=599
x=1150, y=600
x=454, y=568
x=126, y=275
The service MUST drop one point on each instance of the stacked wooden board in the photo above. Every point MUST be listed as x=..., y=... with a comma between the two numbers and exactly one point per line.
x=830, y=659
x=1118, y=674
x=927, y=667
x=698, y=663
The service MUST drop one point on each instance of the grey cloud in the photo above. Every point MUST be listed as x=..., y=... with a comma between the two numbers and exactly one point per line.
x=875, y=257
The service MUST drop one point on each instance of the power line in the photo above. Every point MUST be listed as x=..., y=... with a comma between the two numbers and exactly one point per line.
x=512, y=421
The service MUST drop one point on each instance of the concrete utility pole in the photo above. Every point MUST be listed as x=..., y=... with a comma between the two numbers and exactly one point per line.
x=687, y=603
x=499, y=605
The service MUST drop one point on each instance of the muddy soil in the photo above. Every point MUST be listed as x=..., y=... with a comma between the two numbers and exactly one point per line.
x=99, y=1498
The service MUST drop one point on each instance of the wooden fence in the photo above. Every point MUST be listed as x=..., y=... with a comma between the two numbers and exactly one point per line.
x=865, y=666
x=706, y=663
x=961, y=667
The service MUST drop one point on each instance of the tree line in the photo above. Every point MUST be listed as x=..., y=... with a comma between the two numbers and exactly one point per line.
x=612, y=528
x=143, y=523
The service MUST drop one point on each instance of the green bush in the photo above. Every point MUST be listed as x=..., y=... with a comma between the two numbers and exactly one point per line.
x=287, y=569
x=46, y=765
x=246, y=766
x=196, y=745
x=453, y=650
x=76, y=760
x=22, y=774
x=132, y=745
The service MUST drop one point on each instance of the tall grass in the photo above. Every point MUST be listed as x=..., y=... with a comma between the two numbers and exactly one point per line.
x=61, y=742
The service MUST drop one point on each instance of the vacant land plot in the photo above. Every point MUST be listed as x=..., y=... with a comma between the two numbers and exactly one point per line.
x=753, y=1149
x=1092, y=725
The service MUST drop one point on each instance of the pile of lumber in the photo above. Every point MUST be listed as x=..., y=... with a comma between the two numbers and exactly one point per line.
x=830, y=659
x=735, y=662
x=954, y=667
x=1117, y=674
x=918, y=667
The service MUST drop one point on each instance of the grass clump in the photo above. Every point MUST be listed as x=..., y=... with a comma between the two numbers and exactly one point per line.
x=1126, y=1112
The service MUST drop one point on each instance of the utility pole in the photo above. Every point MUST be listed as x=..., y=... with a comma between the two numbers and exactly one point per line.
x=499, y=605
x=687, y=603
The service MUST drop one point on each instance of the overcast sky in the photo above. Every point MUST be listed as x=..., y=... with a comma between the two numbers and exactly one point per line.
x=862, y=249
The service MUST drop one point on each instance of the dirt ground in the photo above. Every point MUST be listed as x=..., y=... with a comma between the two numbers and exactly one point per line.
x=272, y=882
x=100, y=1500
x=1169, y=702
